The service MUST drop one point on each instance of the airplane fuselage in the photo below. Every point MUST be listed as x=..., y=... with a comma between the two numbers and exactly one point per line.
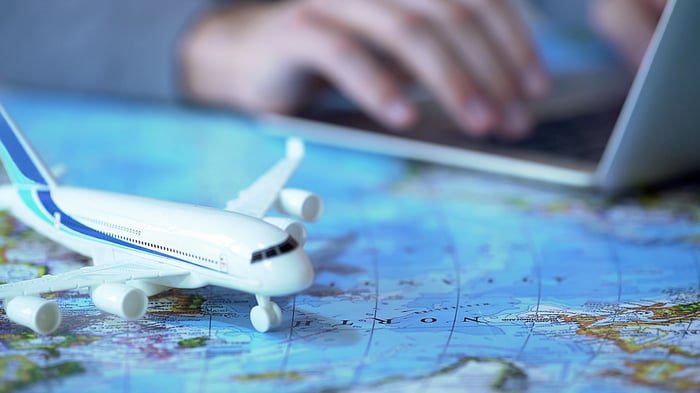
x=143, y=246
x=216, y=246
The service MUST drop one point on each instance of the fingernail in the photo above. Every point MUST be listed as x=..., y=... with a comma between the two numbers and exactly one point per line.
x=479, y=117
x=399, y=113
x=517, y=120
x=535, y=82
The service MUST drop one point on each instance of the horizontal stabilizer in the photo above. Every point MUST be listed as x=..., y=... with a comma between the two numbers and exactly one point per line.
x=295, y=148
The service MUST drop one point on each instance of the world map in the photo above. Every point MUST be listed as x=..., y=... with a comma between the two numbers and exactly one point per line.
x=428, y=278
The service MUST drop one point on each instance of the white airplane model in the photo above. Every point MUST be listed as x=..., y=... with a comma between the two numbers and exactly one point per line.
x=141, y=247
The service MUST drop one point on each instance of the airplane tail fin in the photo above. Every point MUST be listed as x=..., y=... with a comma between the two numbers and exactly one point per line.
x=22, y=164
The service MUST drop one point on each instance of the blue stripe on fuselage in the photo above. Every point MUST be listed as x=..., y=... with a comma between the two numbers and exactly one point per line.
x=18, y=155
x=69, y=222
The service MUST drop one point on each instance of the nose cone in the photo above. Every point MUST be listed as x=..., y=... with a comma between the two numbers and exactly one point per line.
x=286, y=274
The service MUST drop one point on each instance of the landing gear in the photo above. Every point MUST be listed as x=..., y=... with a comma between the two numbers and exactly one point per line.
x=266, y=315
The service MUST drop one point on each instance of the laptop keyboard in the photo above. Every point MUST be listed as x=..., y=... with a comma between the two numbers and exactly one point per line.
x=578, y=139
x=582, y=138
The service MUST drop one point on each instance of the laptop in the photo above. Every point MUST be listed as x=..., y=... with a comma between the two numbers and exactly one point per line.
x=614, y=141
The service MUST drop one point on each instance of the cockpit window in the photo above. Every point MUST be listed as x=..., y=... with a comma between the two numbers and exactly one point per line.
x=270, y=252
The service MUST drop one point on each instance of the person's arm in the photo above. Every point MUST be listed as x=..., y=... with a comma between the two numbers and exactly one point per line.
x=125, y=47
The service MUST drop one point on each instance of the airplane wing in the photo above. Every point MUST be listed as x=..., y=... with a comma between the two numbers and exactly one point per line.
x=257, y=199
x=89, y=276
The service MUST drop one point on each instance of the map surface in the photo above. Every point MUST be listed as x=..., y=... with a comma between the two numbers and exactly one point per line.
x=428, y=278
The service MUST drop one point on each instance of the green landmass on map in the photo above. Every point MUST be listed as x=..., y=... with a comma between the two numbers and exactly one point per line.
x=193, y=342
x=628, y=335
x=28, y=341
x=291, y=376
x=657, y=373
x=619, y=332
x=178, y=302
x=19, y=372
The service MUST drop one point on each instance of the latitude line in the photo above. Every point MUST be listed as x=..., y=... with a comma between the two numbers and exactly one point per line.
x=287, y=349
x=458, y=285
x=373, y=251
x=458, y=277
x=209, y=310
x=696, y=262
x=127, y=365
x=696, y=259
x=596, y=351
x=440, y=217
x=538, y=273
x=599, y=348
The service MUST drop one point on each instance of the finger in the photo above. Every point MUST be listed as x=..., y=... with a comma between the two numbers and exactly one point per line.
x=353, y=69
x=509, y=32
x=415, y=43
x=628, y=25
x=464, y=33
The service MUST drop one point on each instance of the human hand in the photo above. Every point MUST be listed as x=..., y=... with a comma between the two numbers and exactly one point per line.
x=628, y=24
x=474, y=56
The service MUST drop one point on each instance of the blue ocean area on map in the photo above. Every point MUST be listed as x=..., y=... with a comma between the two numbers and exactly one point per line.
x=428, y=278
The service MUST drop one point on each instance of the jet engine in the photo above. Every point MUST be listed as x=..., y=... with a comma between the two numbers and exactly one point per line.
x=122, y=300
x=302, y=204
x=295, y=229
x=40, y=315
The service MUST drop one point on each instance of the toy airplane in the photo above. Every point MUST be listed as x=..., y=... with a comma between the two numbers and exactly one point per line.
x=141, y=247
